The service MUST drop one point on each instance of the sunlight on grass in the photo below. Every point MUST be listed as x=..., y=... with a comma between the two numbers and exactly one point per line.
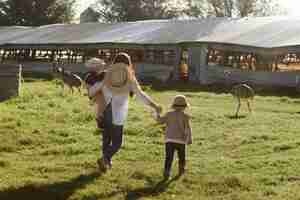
x=50, y=144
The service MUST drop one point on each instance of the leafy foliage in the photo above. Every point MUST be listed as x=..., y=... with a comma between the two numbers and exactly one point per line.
x=242, y=8
x=125, y=10
x=35, y=12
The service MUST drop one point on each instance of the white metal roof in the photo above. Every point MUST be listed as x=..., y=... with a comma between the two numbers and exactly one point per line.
x=266, y=32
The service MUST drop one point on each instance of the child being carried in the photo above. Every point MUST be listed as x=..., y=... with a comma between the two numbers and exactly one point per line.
x=96, y=72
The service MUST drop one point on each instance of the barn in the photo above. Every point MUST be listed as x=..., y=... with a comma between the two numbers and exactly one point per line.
x=261, y=50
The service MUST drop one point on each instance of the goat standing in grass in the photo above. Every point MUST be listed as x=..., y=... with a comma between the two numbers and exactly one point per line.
x=242, y=92
x=70, y=79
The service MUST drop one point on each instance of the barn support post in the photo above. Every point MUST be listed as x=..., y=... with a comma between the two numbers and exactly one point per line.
x=197, y=61
x=177, y=61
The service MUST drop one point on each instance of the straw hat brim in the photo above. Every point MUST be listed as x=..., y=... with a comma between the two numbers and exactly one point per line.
x=180, y=101
x=95, y=64
x=180, y=105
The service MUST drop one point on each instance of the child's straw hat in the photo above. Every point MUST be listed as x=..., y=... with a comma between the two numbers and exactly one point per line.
x=180, y=101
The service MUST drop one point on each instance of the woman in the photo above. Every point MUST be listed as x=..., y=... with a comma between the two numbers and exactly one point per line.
x=118, y=82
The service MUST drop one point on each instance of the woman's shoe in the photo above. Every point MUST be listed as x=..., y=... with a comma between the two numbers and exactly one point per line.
x=166, y=174
x=101, y=165
x=109, y=164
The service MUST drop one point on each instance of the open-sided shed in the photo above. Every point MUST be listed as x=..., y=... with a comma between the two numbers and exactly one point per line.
x=242, y=45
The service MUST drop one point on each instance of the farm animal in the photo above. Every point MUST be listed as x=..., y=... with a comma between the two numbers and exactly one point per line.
x=242, y=92
x=70, y=79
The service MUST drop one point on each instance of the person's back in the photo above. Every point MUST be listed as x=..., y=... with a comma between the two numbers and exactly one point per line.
x=178, y=134
x=118, y=82
x=176, y=123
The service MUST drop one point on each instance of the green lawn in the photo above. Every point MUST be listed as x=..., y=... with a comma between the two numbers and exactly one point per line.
x=50, y=144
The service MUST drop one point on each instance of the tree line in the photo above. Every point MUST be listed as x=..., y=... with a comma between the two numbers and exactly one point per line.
x=128, y=10
x=42, y=12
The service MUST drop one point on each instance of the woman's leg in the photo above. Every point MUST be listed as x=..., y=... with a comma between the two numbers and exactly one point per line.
x=106, y=142
x=112, y=136
x=116, y=141
x=107, y=134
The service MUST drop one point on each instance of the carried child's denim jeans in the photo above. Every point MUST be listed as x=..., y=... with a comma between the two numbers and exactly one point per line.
x=111, y=136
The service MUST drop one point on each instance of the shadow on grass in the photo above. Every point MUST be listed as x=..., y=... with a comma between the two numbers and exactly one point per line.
x=55, y=191
x=37, y=76
x=153, y=190
x=219, y=88
x=235, y=117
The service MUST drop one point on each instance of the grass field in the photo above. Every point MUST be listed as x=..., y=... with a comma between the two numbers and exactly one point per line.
x=49, y=147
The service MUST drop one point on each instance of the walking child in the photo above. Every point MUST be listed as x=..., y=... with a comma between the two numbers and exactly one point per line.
x=178, y=134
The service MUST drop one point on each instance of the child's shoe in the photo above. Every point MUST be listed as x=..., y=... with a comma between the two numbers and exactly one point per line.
x=181, y=170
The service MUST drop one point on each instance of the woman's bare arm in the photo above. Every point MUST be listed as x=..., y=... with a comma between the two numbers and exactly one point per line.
x=142, y=96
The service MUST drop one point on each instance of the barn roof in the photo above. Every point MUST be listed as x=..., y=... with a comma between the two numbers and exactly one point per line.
x=261, y=32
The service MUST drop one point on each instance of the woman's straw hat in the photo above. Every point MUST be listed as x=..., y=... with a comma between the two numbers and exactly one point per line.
x=118, y=78
x=95, y=64
x=180, y=101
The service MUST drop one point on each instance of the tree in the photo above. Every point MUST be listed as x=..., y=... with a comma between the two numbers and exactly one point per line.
x=128, y=10
x=268, y=7
x=220, y=8
x=35, y=12
x=243, y=8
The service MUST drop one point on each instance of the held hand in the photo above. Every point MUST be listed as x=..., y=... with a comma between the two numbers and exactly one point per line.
x=158, y=109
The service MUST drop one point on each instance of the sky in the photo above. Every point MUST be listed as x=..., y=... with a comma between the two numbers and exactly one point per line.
x=82, y=5
x=292, y=6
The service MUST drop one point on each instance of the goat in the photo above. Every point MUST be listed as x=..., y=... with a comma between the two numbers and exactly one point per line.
x=242, y=92
x=70, y=79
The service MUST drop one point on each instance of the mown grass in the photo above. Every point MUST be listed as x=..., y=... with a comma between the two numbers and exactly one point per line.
x=50, y=144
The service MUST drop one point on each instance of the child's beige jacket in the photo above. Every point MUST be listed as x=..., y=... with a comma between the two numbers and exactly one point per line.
x=178, y=128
